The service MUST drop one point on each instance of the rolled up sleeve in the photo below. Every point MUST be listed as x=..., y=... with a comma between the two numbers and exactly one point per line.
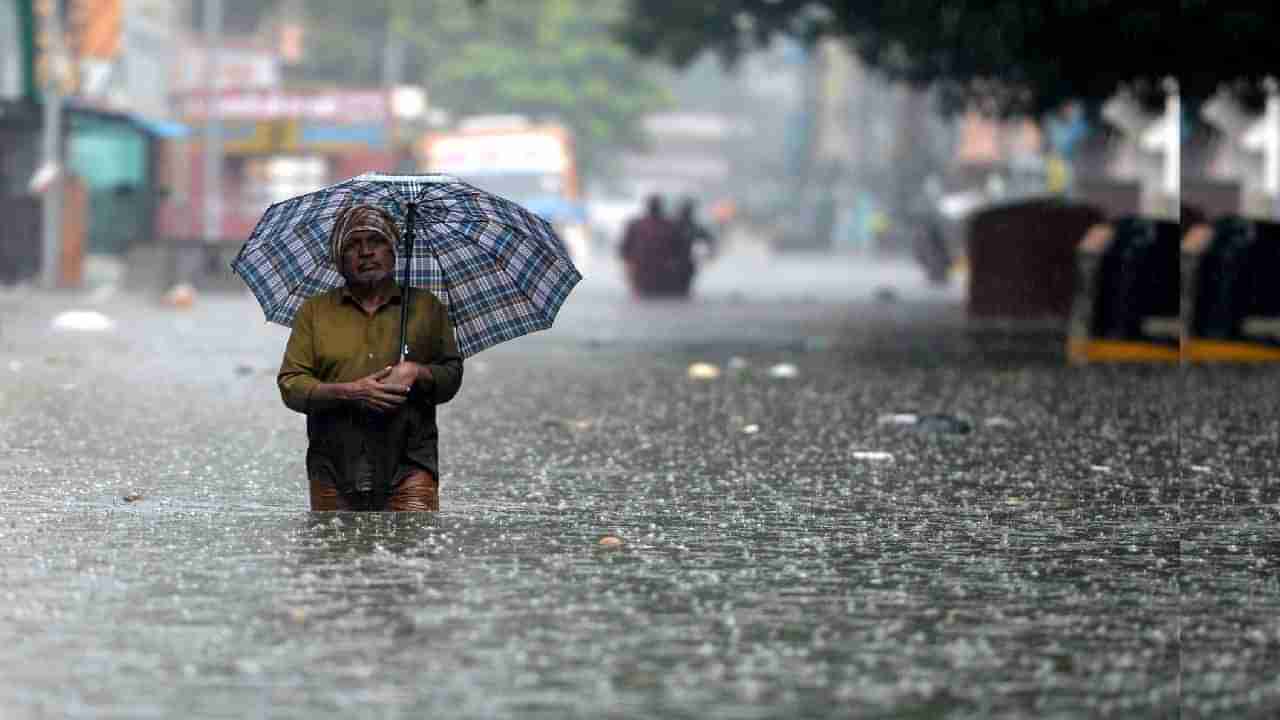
x=297, y=376
x=446, y=361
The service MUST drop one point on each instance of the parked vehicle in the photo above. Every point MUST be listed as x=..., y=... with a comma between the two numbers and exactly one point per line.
x=532, y=164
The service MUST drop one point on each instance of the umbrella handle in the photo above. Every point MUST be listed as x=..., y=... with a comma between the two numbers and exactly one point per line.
x=410, y=213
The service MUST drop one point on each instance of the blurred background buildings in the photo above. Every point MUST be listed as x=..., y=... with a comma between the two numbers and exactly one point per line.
x=177, y=123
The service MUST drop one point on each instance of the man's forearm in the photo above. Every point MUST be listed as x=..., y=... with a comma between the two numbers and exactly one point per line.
x=425, y=380
x=327, y=396
x=446, y=379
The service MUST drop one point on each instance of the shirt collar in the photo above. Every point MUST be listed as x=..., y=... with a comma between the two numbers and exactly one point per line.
x=395, y=293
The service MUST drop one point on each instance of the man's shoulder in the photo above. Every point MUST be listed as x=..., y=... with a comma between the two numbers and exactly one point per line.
x=331, y=295
x=328, y=298
x=426, y=298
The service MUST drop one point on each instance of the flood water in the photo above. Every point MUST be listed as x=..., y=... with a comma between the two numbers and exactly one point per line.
x=1102, y=542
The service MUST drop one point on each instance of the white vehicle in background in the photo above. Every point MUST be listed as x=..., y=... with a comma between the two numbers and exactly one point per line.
x=532, y=164
x=607, y=218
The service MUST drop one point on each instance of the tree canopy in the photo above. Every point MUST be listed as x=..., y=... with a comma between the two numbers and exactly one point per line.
x=1004, y=56
x=549, y=58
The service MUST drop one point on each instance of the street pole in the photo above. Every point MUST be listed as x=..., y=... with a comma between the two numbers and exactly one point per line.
x=393, y=69
x=51, y=198
x=392, y=53
x=1271, y=147
x=213, y=123
x=1173, y=140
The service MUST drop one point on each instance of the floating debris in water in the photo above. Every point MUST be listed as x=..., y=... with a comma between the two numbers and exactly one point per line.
x=751, y=429
x=738, y=363
x=610, y=541
x=181, y=295
x=873, y=455
x=998, y=422
x=943, y=424
x=932, y=423
x=133, y=497
x=1100, y=468
x=82, y=320
x=886, y=294
x=703, y=371
x=783, y=371
x=568, y=423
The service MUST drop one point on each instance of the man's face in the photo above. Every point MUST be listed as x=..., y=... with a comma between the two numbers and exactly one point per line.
x=367, y=258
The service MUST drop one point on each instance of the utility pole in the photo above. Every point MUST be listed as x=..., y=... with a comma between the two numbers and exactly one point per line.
x=1172, y=177
x=393, y=50
x=51, y=199
x=213, y=122
x=1271, y=147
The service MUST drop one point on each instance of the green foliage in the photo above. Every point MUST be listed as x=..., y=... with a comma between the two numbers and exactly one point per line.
x=542, y=58
x=1005, y=55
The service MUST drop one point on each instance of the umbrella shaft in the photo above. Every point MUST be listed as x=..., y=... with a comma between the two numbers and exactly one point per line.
x=409, y=218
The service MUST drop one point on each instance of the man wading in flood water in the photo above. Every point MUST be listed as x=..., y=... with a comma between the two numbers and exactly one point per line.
x=371, y=421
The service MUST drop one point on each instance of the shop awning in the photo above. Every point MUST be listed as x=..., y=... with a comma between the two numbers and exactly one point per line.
x=162, y=128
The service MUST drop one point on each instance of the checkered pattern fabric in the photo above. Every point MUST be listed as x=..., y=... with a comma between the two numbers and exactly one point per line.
x=501, y=270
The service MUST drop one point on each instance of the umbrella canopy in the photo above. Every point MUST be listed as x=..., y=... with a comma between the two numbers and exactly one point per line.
x=500, y=270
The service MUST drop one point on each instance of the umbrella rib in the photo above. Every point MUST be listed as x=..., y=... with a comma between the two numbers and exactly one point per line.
x=444, y=279
x=495, y=221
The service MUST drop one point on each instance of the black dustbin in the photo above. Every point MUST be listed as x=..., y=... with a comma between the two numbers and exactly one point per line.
x=1236, y=293
x=1127, y=293
x=19, y=238
x=1138, y=288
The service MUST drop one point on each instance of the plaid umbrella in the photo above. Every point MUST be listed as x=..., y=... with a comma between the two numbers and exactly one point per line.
x=500, y=270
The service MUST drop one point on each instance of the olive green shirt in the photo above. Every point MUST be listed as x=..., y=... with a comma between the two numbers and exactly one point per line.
x=334, y=341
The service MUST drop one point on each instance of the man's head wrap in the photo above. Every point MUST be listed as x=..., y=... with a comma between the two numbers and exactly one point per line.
x=359, y=218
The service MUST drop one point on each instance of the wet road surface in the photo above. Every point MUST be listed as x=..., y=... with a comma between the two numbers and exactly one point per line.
x=1101, y=542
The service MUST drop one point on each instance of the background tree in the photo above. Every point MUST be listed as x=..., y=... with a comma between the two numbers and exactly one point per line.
x=542, y=58
x=1005, y=57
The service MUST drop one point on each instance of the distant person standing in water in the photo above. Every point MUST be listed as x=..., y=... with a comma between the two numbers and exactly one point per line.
x=650, y=253
x=371, y=419
x=695, y=241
